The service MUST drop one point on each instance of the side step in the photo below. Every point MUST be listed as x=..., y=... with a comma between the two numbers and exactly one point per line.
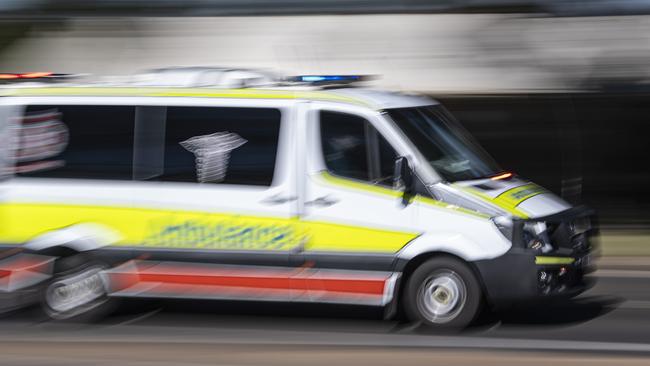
x=22, y=270
x=206, y=281
x=19, y=275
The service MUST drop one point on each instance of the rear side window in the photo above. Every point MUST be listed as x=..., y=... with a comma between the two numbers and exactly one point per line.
x=211, y=145
x=175, y=144
x=73, y=141
x=353, y=148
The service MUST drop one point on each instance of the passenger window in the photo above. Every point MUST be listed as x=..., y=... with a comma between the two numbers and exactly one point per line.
x=221, y=145
x=353, y=148
x=75, y=141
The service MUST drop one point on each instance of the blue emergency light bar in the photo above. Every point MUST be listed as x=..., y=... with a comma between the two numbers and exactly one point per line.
x=317, y=78
x=328, y=79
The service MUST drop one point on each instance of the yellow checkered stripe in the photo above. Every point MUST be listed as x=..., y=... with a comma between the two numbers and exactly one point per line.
x=156, y=228
x=510, y=199
x=184, y=92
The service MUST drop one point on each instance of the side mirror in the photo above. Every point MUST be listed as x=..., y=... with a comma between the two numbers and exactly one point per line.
x=403, y=179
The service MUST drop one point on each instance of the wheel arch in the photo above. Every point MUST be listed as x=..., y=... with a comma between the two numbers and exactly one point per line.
x=73, y=239
x=407, y=267
x=78, y=242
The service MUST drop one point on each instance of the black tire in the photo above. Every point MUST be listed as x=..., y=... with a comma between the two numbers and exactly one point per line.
x=443, y=292
x=74, y=270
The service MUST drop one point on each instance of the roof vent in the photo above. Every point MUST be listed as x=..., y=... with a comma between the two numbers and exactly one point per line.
x=194, y=77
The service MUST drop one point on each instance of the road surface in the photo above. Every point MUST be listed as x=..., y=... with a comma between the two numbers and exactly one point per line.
x=608, y=324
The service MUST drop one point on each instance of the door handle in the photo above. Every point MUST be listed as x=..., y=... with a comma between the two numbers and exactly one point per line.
x=278, y=199
x=324, y=201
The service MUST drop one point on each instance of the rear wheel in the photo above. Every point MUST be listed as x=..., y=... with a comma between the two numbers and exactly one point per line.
x=76, y=291
x=443, y=293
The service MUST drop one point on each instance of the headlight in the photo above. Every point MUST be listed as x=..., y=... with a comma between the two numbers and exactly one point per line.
x=536, y=237
x=504, y=224
x=532, y=241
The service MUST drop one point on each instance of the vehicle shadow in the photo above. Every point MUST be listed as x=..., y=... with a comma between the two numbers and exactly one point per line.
x=329, y=317
x=291, y=316
x=249, y=314
x=560, y=312
x=532, y=315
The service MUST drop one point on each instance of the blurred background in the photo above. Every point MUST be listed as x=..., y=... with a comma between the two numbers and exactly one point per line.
x=557, y=91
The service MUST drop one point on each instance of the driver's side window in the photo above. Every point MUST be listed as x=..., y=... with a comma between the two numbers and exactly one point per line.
x=353, y=148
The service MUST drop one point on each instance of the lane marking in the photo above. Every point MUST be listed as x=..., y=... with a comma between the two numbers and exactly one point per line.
x=232, y=336
x=635, y=304
x=622, y=273
x=136, y=319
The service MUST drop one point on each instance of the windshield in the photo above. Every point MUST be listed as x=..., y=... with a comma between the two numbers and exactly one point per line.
x=446, y=145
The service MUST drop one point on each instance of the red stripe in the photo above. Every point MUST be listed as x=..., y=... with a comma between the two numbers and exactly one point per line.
x=375, y=287
x=372, y=287
x=260, y=282
x=289, y=279
x=189, y=290
x=22, y=263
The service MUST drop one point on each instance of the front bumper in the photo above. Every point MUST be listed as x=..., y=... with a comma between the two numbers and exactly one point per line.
x=518, y=276
x=524, y=274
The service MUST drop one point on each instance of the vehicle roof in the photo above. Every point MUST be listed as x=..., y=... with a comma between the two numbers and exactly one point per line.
x=374, y=99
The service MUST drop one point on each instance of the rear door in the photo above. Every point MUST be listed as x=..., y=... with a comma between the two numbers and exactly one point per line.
x=222, y=171
x=200, y=193
x=220, y=197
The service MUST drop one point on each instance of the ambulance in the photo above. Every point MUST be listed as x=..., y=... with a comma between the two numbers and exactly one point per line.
x=229, y=184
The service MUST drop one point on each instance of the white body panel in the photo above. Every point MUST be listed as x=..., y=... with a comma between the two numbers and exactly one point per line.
x=440, y=229
x=468, y=237
x=543, y=205
x=80, y=237
x=277, y=201
x=297, y=187
x=308, y=236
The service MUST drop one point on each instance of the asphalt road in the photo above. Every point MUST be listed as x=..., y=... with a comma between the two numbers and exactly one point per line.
x=610, y=323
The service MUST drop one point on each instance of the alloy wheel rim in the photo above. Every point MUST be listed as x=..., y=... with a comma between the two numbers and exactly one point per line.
x=442, y=296
x=75, y=293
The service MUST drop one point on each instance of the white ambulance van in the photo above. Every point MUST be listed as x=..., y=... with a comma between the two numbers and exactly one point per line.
x=294, y=192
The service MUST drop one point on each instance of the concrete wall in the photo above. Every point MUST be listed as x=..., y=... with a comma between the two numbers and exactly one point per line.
x=424, y=52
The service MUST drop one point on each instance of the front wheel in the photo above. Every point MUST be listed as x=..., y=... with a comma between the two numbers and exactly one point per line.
x=443, y=293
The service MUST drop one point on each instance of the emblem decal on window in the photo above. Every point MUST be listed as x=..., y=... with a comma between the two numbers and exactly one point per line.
x=212, y=154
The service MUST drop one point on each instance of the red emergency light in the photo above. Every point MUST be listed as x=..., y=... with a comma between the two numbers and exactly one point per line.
x=28, y=75
x=502, y=176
